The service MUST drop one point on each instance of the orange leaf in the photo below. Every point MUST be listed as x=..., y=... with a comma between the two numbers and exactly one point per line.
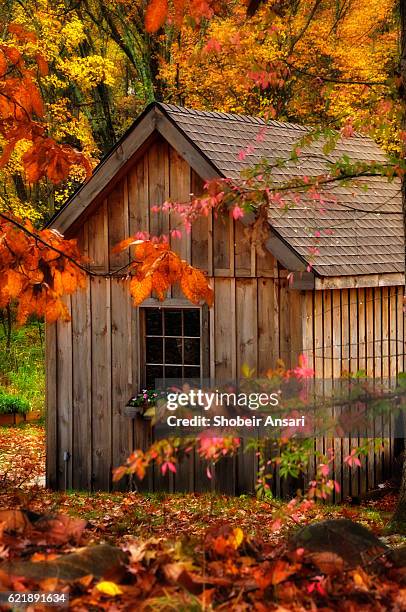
x=123, y=245
x=15, y=282
x=54, y=310
x=156, y=15
x=160, y=284
x=195, y=286
x=3, y=64
x=69, y=280
x=282, y=570
x=179, y=6
x=140, y=289
x=42, y=64
x=21, y=33
x=58, y=285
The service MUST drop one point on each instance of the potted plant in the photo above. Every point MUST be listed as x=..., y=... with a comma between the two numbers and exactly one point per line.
x=15, y=409
x=143, y=404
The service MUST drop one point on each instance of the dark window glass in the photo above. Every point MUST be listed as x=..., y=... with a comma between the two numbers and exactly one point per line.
x=172, y=344
x=192, y=373
x=173, y=371
x=173, y=322
x=153, y=372
x=192, y=351
x=154, y=350
x=191, y=322
x=153, y=322
x=173, y=350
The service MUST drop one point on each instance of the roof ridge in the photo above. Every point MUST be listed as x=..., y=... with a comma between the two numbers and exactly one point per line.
x=184, y=110
x=174, y=108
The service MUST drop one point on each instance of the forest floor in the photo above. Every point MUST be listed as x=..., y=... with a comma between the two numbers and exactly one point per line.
x=181, y=552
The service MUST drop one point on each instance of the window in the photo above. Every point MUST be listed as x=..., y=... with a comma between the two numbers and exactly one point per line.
x=172, y=346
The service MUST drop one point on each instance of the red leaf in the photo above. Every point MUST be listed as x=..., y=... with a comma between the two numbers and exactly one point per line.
x=156, y=15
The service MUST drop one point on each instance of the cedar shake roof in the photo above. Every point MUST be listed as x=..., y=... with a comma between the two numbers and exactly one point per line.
x=367, y=222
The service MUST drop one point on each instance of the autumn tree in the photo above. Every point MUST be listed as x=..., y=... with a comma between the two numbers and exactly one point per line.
x=311, y=62
x=37, y=268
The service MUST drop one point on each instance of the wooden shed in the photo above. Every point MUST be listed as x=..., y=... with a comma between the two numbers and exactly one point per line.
x=345, y=314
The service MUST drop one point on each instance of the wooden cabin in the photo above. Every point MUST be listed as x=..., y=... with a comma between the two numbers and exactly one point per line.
x=345, y=314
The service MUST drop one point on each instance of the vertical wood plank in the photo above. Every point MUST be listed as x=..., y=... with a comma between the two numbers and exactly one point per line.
x=247, y=353
x=318, y=334
x=393, y=332
x=65, y=400
x=308, y=352
x=158, y=186
x=242, y=250
x=308, y=328
x=336, y=333
x=138, y=207
x=98, y=238
x=268, y=324
x=52, y=416
x=224, y=323
x=101, y=384
x=295, y=299
x=200, y=231
x=328, y=357
x=362, y=365
x=327, y=334
x=346, y=367
x=246, y=326
x=362, y=335
x=121, y=372
x=117, y=206
x=400, y=330
x=372, y=367
x=221, y=245
x=378, y=355
x=179, y=191
x=383, y=455
x=82, y=389
x=369, y=318
x=385, y=300
x=337, y=317
x=353, y=331
x=266, y=264
x=284, y=323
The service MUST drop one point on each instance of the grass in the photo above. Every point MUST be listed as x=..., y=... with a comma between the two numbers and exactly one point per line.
x=22, y=367
x=10, y=404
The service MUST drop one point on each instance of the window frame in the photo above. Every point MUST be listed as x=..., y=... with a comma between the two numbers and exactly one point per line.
x=172, y=304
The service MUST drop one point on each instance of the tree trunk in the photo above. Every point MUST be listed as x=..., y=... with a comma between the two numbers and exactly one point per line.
x=398, y=521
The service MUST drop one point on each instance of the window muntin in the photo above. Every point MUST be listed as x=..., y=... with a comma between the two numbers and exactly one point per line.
x=172, y=344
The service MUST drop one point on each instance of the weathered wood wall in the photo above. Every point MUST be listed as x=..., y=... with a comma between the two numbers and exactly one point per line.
x=93, y=361
x=351, y=330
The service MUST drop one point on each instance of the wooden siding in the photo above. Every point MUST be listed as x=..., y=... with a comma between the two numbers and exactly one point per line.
x=93, y=361
x=348, y=331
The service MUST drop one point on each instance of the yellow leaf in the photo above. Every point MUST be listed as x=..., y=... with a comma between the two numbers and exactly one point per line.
x=238, y=536
x=246, y=371
x=109, y=588
x=359, y=580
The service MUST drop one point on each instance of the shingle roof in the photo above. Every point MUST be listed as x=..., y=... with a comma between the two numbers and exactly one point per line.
x=367, y=240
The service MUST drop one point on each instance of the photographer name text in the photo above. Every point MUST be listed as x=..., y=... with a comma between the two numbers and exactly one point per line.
x=237, y=421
